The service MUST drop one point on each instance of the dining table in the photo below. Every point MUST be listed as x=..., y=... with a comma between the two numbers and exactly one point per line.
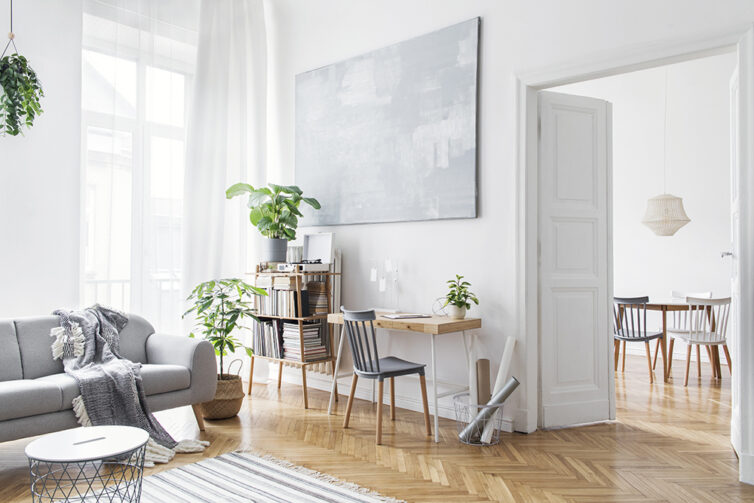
x=666, y=305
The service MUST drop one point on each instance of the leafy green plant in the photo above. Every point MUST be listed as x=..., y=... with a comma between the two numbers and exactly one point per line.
x=21, y=92
x=458, y=294
x=274, y=210
x=219, y=306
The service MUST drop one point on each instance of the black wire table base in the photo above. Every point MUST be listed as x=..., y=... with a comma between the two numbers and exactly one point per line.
x=106, y=480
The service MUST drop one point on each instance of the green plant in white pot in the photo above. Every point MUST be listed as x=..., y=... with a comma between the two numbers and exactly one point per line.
x=274, y=211
x=459, y=298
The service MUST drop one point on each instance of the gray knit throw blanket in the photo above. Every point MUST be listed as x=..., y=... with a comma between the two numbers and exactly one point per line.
x=88, y=341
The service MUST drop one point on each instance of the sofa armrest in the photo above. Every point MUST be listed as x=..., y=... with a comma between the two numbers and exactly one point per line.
x=195, y=354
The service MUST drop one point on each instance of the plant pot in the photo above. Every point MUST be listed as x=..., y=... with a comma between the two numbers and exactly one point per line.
x=228, y=398
x=455, y=312
x=274, y=250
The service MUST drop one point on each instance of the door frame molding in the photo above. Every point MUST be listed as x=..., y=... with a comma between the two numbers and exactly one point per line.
x=604, y=64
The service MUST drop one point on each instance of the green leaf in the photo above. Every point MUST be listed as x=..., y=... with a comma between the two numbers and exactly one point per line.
x=311, y=202
x=238, y=189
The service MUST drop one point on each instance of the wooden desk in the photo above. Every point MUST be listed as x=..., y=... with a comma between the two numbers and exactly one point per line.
x=434, y=326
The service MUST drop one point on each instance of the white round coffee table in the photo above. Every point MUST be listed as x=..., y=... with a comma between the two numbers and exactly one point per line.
x=97, y=463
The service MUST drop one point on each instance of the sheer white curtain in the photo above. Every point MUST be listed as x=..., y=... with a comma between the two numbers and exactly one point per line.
x=226, y=140
x=138, y=66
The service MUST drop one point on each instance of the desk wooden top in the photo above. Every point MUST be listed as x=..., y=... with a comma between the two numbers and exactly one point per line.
x=435, y=325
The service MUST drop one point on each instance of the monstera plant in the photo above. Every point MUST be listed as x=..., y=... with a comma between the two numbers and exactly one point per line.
x=19, y=96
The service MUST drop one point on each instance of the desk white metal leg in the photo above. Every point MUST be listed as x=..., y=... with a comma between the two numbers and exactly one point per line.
x=434, y=389
x=336, y=370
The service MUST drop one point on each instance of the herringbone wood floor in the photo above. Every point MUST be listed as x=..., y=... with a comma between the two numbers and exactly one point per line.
x=670, y=443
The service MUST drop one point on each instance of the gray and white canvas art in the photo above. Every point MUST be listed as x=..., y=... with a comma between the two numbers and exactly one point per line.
x=390, y=135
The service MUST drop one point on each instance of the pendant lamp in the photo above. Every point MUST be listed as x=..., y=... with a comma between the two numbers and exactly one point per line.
x=665, y=213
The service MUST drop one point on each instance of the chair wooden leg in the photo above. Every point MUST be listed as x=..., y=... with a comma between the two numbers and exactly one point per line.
x=711, y=361
x=350, y=400
x=423, y=386
x=251, y=374
x=727, y=358
x=688, y=363
x=716, y=351
x=670, y=356
x=654, y=358
x=198, y=416
x=380, y=392
x=392, y=398
x=303, y=384
x=616, y=343
x=698, y=361
x=623, y=363
x=280, y=375
x=661, y=343
x=649, y=361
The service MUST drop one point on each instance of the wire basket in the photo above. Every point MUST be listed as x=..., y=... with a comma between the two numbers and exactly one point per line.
x=473, y=419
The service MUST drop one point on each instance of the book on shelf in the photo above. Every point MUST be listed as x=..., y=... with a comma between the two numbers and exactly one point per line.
x=315, y=345
x=282, y=303
x=267, y=339
x=317, y=297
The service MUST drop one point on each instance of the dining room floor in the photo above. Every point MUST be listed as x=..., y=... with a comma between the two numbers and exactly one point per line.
x=669, y=443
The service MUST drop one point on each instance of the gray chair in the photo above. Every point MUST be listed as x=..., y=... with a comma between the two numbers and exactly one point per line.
x=368, y=364
x=630, y=325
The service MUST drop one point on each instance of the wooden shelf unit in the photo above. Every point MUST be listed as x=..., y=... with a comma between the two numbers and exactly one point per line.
x=322, y=317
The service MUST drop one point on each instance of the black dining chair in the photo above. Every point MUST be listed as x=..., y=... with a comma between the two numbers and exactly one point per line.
x=368, y=364
x=630, y=325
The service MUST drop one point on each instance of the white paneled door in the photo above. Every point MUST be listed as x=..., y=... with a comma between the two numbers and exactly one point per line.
x=575, y=260
x=734, y=254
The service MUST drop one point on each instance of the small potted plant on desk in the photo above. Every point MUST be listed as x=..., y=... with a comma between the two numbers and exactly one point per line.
x=459, y=298
x=274, y=211
x=219, y=306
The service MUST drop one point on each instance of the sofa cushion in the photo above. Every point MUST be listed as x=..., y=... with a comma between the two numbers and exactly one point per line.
x=164, y=378
x=10, y=355
x=133, y=339
x=68, y=386
x=28, y=397
x=34, y=341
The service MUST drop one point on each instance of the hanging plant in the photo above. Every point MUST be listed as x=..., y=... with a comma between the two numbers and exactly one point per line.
x=20, y=89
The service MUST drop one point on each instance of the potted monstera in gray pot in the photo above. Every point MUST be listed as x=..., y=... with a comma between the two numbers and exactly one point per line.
x=273, y=210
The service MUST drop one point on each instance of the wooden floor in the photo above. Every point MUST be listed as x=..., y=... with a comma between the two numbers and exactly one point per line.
x=669, y=443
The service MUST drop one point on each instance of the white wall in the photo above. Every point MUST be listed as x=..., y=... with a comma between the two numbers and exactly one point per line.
x=517, y=37
x=39, y=172
x=698, y=170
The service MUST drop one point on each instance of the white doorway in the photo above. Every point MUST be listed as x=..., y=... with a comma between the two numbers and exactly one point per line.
x=530, y=288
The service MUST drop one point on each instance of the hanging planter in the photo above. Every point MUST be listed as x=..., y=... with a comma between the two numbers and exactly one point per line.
x=20, y=90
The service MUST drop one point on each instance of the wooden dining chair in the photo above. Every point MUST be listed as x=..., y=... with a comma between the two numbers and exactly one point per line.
x=678, y=319
x=368, y=364
x=706, y=325
x=630, y=325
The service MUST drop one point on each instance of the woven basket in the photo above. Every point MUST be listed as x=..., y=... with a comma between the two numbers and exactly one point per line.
x=228, y=398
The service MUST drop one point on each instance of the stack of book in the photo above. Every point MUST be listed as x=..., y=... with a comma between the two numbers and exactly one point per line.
x=317, y=297
x=314, y=345
x=281, y=303
x=267, y=339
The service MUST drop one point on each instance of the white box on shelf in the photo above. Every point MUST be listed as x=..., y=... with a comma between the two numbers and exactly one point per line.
x=318, y=247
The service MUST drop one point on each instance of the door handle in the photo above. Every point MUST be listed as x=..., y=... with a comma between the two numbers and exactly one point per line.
x=726, y=254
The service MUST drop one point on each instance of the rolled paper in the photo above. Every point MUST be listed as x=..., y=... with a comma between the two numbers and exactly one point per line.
x=502, y=375
x=472, y=433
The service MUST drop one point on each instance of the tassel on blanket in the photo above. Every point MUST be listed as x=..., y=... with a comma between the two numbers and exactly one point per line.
x=65, y=345
x=156, y=453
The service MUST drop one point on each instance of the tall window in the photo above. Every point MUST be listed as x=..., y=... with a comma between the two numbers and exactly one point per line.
x=137, y=69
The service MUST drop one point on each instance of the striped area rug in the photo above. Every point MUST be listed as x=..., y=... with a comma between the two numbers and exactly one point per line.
x=242, y=477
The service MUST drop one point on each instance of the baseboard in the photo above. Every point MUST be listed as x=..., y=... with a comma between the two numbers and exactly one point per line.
x=510, y=421
x=746, y=468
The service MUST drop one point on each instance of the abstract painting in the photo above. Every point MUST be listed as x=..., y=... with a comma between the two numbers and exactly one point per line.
x=390, y=135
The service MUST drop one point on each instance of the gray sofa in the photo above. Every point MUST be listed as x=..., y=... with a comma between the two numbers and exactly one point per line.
x=36, y=395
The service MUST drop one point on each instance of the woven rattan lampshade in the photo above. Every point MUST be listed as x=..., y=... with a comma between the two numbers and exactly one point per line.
x=665, y=214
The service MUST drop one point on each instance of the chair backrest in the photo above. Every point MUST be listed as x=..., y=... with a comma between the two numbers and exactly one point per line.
x=708, y=319
x=679, y=320
x=362, y=339
x=630, y=317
